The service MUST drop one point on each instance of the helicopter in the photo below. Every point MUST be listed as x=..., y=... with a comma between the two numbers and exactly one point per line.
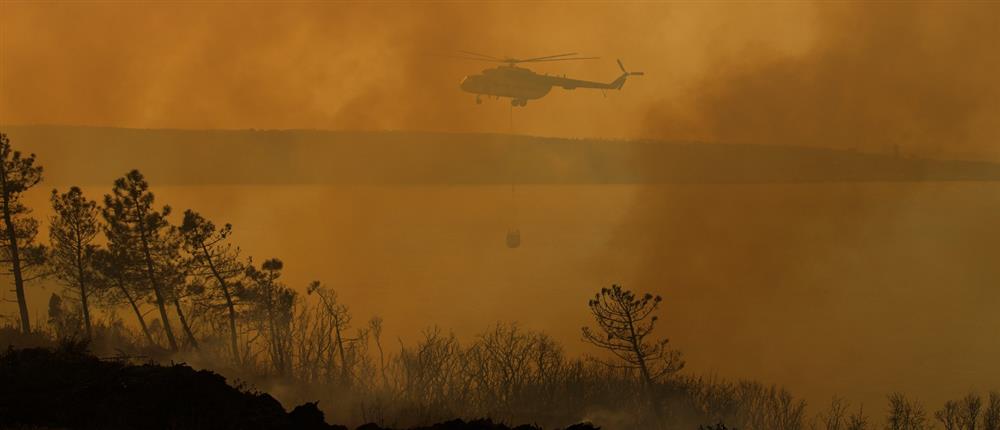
x=521, y=84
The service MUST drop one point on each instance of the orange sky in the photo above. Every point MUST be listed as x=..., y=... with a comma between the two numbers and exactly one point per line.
x=921, y=75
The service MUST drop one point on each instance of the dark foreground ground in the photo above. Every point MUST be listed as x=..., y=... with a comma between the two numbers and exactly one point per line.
x=68, y=388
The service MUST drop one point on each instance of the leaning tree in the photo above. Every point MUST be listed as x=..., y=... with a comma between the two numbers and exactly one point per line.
x=18, y=173
x=213, y=257
x=625, y=323
x=134, y=227
x=270, y=305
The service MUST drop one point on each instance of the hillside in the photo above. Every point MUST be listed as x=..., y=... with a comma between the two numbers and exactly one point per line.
x=93, y=155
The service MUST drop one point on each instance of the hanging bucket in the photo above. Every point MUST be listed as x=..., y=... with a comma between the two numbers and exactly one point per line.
x=513, y=238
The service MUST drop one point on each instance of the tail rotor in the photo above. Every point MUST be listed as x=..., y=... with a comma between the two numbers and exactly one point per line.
x=620, y=82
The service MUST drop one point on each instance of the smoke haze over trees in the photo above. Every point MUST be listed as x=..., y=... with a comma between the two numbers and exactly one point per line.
x=239, y=317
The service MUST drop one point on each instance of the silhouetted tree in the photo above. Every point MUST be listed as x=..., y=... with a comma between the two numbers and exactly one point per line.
x=133, y=224
x=212, y=256
x=271, y=305
x=341, y=319
x=117, y=279
x=837, y=417
x=624, y=325
x=969, y=408
x=71, y=234
x=858, y=421
x=991, y=415
x=834, y=418
x=905, y=414
x=174, y=271
x=18, y=174
x=375, y=327
x=514, y=369
x=432, y=375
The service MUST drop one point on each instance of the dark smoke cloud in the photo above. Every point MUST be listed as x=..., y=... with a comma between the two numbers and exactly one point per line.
x=921, y=76
x=837, y=288
x=358, y=66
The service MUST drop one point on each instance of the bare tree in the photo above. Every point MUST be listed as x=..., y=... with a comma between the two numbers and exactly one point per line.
x=835, y=418
x=431, y=375
x=962, y=414
x=949, y=416
x=375, y=327
x=340, y=316
x=858, y=421
x=17, y=174
x=905, y=414
x=969, y=409
x=71, y=233
x=991, y=415
x=271, y=307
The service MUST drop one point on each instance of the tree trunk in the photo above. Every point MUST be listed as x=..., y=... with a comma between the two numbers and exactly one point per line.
x=86, y=310
x=151, y=273
x=647, y=379
x=15, y=260
x=83, y=291
x=381, y=362
x=229, y=305
x=344, y=379
x=184, y=324
x=138, y=314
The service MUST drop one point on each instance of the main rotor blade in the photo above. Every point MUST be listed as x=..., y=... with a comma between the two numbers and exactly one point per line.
x=480, y=55
x=558, y=59
x=547, y=57
x=467, y=58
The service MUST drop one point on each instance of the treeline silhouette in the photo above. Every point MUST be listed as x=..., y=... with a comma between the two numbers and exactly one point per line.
x=215, y=308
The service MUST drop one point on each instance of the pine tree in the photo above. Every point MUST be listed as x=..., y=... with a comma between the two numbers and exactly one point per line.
x=71, y=234
x=116, y=280
x=138, y=229
x=271, y=306
x=18, y=173
x=213, y=257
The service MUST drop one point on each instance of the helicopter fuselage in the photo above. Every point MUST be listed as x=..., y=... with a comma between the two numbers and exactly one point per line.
x=507, y=81
x=520, y=84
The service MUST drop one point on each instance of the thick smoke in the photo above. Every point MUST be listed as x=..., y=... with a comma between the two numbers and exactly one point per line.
x=876, y=76
x=837, y=288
